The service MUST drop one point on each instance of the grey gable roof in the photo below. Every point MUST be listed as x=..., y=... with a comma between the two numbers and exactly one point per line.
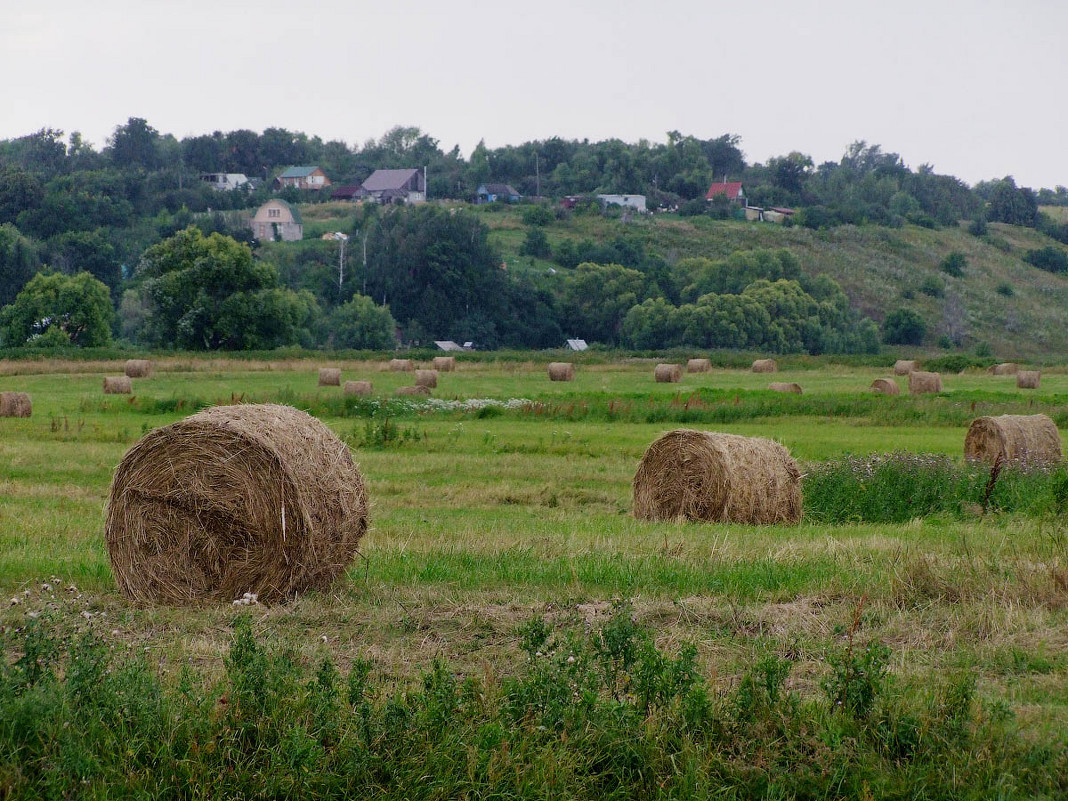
x=500, y=189
x=381, y=180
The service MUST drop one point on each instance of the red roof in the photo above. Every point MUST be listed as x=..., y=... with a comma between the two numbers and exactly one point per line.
x=732, y=190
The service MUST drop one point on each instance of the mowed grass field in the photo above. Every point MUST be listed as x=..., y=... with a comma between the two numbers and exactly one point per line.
x=480, y=520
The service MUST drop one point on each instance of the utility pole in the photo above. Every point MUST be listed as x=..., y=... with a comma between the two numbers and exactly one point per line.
x=537, y=176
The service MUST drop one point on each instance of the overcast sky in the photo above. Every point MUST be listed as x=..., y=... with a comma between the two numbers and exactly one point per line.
x=976, y=88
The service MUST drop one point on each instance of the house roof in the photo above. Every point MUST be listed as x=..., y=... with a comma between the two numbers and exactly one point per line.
x=732, y=190
x=381, y=180
x=298, y=172
x=347, y=192
x=498, y=189
x=292, y=209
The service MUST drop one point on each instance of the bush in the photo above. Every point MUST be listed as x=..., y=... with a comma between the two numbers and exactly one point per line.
x=934, y=286
x=1005, y=288
x=536, y=244
x=1050, y=258
x=954, y=264
x=538, y=215
x=904, y=327
x=977, y=227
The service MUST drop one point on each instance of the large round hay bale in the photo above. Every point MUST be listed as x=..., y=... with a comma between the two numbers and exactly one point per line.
x=117, y=385
x=906, y=366
x=706, y=476
x=885, y=386
x=426, y=378
x=667, y=373
x=444, y=364
x=698, y=365
x=1028, y=379
x=15, y=404
x=1005, y=368
x=401, y=365
x=251, y=498
x=138, y=368
x=765, y=366
x=782, y=386
x=921, y=382
x=561, y=371
x=361, y=388
x=1030, y=438
x=418, y=389
x=330, y=376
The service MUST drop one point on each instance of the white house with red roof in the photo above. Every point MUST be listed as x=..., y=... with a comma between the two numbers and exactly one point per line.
x=732, y=190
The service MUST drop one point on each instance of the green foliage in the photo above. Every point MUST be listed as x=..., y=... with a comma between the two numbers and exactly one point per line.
x=954, y=264
x=75, y=309
x=597, y=297
x=385, y=433
x=1005, y=289
x=904, y=327
x=19, y=260
x=360, y=324
x=1050, y=258
x=538, y=215
x=933, y=286
x=857, y=679
x=536, y=244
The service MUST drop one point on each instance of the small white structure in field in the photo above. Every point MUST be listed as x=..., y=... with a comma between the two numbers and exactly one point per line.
x=636, y=202
x=577, y=344
x=446, y=344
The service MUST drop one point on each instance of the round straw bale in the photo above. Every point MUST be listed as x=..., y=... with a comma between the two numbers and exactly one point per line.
x=15, y=404
x=330, y=376
x=698, y=366
x=885, y=386
x=1005, y=368
x=707, y=476
x=1028, y=379
x=1030, y=438
x=921, y=382
x=418, y=389
x=358, y=388
x=782, y=386
x=261, y=499
x=426, y=378
x=138, y=368
x=444, y=364
x=905, y=366
x=561, y=371
x=401, y=365
x=667, y=373
x=117, y=385
x=765, y=366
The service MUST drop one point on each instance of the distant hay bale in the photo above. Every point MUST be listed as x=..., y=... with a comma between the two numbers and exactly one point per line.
x=667, y=373
x=561, y=371
x=444, y=364
x=426, y=378
x=138, y=368
x=885, y=386
x=330, y=376
x=415, y=390
x=906, y=366
x=401, y=365
x=765, y=366
x=698, y=365
x=15, y=404
x=117, y=385
x=254, y=498
x=1030, y=438
x=921, y=382
x=361, y=388
x=712, y=477
x=1005, y=368
x=1028, y=379
x=782, y=386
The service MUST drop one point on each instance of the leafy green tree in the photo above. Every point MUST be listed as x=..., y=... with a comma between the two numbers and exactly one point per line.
x=1050, y=258
x=1011, y=204
x=954, y=264
x=536, y=244
x=79, y=306
x=19, y=191
x=360, y=324
x=596, y=298
x=19, y=260
x=86, y=251
x=654, y=323
x=135, y=145
x=904, y=327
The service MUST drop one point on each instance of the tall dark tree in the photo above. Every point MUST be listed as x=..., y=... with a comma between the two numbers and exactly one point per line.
x=19, y=261
x=135, y=145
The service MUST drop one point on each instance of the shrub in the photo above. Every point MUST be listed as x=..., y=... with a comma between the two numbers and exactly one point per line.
x=1005, y=288
x=934, y=286
x=954, y=264
x=536, y=244
x=538, y=215
x=977, y=227
x=904, y=327
x=1050, y=258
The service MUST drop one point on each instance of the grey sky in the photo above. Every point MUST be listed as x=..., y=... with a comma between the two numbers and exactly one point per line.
x=974, y=88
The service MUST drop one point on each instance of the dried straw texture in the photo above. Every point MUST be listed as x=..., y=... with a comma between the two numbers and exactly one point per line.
x=782, y=386
x=330, y=376
x=698, y=366
x=1005, y=368
x=921, y=382
x=885, y=386
x=138, y=368
x=15, y=404
x=721, y=478
x=117, y=385
x=235, y=499
x=561, y=371
x=444, y=364
x=765, y=366
x=667, y=373
x=426, y=378
x=416, y=390
x=906, y=366
x=401, y=365
x=360, y=388
x=1028, y=379
x=1030, y=438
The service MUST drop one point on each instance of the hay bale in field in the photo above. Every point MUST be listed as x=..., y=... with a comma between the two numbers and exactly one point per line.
x=444, y=364
x=418, y=389
x=765, y=366
x=667, y=373
x=561, y=371
x=885, y=386
x=1030, y=438
x=782, y=386
x=921, y=382
x=906, y=366
x=330, y=376
x=401, y=365
x=1028, y=379
x=707, y=476
x=138, y=368
x=254, y=498
x=698, y=365
x=361, y=388
x=15, y=404
x=117, y=385
x=426, y=378
x=1005, y=368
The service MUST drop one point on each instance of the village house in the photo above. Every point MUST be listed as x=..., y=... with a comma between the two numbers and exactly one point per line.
x=396, y=186
x=732, y=190
x=636, y=202
x=225, y=181
x=351, y=192
x=302, y=178
x=277, y=221
x=490, y=193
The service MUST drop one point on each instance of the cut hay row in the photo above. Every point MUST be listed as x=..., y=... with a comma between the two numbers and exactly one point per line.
x=885, y=386
x=1028, y=379
x=426, y=378
x=561, y=371
x=782, y=386
x=234, y=499
x=360, y=388
x=15, y=404
x=401, y=365
x=712, y=477
x=444, y=364
x=117, y=385
x=1005, y=368
x=765, y=366
x=923, y=383
x=138, y=368
x=698, y=365
x=1029, y=438
x=906, y=366
x=414, y=390
x=330, y=376
x=667, y=373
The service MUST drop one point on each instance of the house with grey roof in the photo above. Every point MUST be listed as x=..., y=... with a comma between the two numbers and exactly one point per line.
x=489, y=193
x=277, y=221
x=302, y=178
x=396, y=186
